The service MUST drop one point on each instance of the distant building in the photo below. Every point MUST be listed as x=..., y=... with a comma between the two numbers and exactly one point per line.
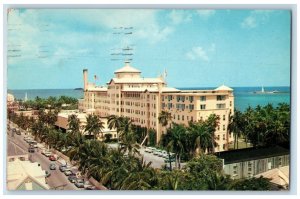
x=249, y=162
x=10, y=98
x=143, y=99
x=62, y=123
x=21, y=173
x=11, y=103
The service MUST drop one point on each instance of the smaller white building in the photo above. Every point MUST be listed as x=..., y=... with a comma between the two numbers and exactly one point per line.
x=62, y=123
x=25, y=175
x=10, y=98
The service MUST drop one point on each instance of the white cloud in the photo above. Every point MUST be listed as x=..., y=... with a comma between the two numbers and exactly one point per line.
x=206, y=13
x=64, y=31
x=179, y=16
x=256, y=18
x=197, y=53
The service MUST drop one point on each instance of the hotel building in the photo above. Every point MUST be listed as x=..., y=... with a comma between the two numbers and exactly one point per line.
x=143, y=99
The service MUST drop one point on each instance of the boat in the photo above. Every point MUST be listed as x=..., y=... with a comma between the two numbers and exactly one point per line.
x=265, y=92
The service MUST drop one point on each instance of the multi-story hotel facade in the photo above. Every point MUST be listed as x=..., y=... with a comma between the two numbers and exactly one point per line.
x=143, y=99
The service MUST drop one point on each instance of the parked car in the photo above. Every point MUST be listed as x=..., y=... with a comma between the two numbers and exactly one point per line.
x=47, y=173
x=68, y=172
x=148, y=150
x=72, y=178
x=18, y=132
x=79, y=183
x=87, y=184
x=62, y=168
x=47, y=154
x=157, y=152
x=34, y=145
x=52, y=166
x=52, y=157
x=31, y=150
x=90, y=188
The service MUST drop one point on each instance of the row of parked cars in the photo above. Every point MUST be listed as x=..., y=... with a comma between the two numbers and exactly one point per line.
x=74, y=178
x=160, y=153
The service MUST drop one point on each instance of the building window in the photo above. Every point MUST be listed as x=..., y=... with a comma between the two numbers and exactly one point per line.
x=220, y=97
x=191, y=107
x=220, y=106
x=182, y=117
x=191, y=98
x=224, y=117
x=178, y=117
x=202, y=106
x=223, y=146
x=223, y=127
x=218, y=137
x=230, y=103
x=223, y=136
x=187, y=118
x=192, y=119
x=202, y=98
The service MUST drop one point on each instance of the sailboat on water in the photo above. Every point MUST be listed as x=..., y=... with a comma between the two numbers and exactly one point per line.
x=265, y=92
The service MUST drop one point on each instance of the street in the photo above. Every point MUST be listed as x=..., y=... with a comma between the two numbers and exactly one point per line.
x=57, y=179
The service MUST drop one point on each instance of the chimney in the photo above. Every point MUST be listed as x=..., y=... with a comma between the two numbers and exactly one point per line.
x=85, y=79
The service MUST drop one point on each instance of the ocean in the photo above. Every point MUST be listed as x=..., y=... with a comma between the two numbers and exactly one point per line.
x=244, y=96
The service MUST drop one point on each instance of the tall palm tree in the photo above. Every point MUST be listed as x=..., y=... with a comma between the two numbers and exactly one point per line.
x=115, y=122
x=164, y=118
x=177, y=141
x=236, y=126
x=94, y=125
x=73, y=123
x=129, y=143
x=201, y=137
x=212, y=123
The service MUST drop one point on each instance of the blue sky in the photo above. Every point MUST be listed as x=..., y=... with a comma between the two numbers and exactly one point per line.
x=198, y=48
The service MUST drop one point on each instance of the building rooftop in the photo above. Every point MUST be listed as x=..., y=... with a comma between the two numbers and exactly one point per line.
x=278, y=176
x=224, y=88
x=25, y=175
x=96, y=88
x=247, y=154
x=152, y=89
x=127, y=69
x=137, y=80
x=14, y=150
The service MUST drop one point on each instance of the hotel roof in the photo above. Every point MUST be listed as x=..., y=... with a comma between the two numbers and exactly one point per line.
x=127, y=69
x=224, y=88
x=93, y=88
x=154, y=89
x=137, y=80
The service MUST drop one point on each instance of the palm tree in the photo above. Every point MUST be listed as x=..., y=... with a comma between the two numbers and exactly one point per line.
x=73, y=123
x=116, y=123
x=94, y=125
x=129, y=143
x=201, y=137
x=176, y=142
x=212, y=122
x=236, y=126
x=126, y=126
x=164, y=118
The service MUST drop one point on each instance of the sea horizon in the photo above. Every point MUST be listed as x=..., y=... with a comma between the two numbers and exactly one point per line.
x=244, y=96
x=184, y=87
